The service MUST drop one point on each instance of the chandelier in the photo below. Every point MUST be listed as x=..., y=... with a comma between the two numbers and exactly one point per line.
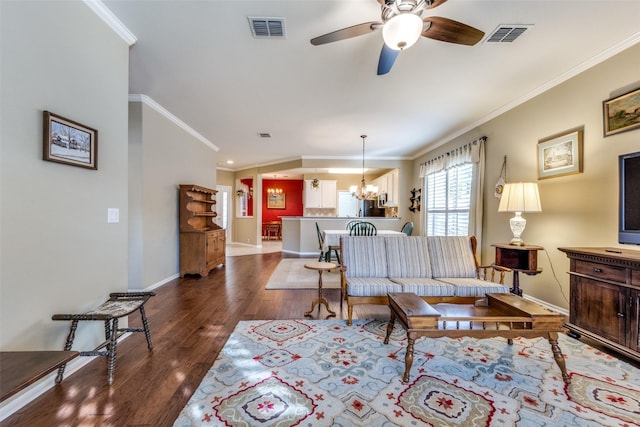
x=364, y=191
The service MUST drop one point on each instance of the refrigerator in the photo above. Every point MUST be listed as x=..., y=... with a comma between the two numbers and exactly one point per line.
x=370, y=208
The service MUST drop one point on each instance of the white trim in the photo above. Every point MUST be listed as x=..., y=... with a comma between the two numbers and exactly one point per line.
x=157, y=284
x=589, y=63
x=160, y=109
x=111, y=20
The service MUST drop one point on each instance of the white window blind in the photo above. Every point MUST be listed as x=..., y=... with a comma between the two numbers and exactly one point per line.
x=449, y=201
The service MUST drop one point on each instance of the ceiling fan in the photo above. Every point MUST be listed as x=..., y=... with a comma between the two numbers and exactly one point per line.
x=402, y=26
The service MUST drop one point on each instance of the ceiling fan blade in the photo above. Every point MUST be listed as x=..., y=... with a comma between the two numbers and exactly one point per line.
x=448, y=30
x=347, y=33
x=387, y=58
x=435, y=3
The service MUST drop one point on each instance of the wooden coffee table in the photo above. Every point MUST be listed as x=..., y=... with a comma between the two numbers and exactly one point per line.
x=499, y=315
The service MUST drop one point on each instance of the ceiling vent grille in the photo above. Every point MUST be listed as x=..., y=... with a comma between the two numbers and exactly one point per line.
x=267, y=28
x=507, y=33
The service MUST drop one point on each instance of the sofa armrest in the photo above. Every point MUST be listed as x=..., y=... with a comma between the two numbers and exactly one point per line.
x=489, y=273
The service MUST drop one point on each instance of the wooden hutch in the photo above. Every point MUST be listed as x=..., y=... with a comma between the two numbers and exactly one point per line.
x=202, y=241
x=605, y=297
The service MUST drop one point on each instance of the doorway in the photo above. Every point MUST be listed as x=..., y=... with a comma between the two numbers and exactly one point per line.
x=223, y=208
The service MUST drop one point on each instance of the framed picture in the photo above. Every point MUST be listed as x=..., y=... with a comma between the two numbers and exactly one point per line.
x=561, y=155
x=69, y=142
x=622, y=113
x=276, y=201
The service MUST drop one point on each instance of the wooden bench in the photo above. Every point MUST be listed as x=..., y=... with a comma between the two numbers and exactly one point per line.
x=499, y=315
x=120, y=304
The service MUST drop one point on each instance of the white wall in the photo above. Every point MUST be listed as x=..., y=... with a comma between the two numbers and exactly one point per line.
x=577, y=210
x=58, y=253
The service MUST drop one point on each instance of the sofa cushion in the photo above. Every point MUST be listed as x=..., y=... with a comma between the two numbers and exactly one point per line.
x=364, y=256
x=408, y=257
x=425, y=287
x=371, y=286
x=451, y=256
x=469, y=287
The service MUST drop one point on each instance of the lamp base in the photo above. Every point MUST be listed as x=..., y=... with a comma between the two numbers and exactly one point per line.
x=517, y=223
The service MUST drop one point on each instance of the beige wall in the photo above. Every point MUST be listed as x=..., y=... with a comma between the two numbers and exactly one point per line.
x=58, y=253
x=577, y=210
x=162, y=156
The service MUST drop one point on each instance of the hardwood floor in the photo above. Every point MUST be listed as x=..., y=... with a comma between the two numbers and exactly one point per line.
x=190, y=320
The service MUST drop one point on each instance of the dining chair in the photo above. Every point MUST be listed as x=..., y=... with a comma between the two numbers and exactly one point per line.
x=407, y=228
x=352, y=223
x=326, y=256
x=363, y=228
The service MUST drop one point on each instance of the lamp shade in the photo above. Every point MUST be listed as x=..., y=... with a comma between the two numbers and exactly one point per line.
x=402, y=31
x=520, y=197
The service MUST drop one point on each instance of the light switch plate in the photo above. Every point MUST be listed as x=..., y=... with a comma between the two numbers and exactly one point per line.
x=113, y=215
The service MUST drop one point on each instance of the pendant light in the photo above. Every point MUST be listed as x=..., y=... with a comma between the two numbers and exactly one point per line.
x=365, y=191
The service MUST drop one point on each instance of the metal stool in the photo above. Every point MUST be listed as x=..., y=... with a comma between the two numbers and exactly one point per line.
x=120, y=304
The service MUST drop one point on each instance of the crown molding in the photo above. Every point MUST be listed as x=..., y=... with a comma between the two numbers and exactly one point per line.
x=111, y=20
x=160, y=109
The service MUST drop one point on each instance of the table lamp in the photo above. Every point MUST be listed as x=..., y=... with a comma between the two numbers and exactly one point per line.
x=519, y=197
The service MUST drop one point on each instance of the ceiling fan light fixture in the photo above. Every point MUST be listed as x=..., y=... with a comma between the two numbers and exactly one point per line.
x=402, y=31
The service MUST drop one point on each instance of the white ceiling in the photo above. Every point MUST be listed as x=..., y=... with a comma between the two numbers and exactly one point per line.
x=199, y=60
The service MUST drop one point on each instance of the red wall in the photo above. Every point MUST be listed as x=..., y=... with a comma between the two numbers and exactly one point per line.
x=292, y=190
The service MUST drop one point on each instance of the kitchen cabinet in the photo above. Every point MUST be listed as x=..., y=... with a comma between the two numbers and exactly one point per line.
x=605, y=297
x=321, y=196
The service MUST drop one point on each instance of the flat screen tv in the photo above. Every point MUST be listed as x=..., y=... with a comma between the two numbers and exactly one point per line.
x=629, y=209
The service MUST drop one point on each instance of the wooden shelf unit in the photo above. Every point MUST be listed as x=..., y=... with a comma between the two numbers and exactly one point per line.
x=202, y=241
x=605, y=297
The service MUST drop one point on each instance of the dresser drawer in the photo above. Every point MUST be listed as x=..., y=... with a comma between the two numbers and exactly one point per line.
x=601, y=271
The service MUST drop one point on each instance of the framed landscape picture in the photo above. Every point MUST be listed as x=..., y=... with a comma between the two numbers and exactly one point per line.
x=276, y=201
x=69, y=142
x=561, y=155
x=622, y=113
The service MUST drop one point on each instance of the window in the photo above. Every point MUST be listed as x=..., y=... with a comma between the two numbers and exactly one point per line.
x=448, y=201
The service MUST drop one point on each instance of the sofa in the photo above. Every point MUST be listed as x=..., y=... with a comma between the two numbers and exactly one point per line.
x=438, y=269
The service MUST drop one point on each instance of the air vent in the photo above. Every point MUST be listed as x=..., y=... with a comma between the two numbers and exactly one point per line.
x=507, y=33
x=267, y=28
x=264, y=134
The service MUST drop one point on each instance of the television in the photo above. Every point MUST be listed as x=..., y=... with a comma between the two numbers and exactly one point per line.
x=629, y=200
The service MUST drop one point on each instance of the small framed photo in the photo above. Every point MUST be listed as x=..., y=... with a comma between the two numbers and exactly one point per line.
x=561, y=155
x=276, y=201
x=621, y=113
x=69, y=142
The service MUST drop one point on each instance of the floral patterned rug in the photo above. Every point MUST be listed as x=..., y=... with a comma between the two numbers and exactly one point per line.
x=324, y=373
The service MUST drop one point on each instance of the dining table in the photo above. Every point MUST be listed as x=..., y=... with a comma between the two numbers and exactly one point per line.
x=332, y=237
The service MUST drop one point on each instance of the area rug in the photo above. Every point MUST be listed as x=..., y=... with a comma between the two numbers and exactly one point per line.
x=324, y=373
x=291, y=274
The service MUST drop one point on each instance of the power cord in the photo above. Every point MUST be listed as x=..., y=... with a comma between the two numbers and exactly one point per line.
x=556, y=278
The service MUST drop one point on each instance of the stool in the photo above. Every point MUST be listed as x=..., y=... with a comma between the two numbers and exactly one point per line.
x=120, y=304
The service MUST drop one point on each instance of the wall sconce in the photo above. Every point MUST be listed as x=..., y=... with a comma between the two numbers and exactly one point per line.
x=519, y=197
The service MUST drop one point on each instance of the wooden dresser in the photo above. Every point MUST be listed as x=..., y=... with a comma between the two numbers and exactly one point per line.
x=202, y=242
x=605, y=297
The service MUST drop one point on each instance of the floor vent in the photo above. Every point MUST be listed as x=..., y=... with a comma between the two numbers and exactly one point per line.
x=267, y=28
x=507, y=33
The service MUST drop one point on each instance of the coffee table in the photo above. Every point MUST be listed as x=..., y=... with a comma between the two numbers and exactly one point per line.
x=320, y=266
x=498, y=315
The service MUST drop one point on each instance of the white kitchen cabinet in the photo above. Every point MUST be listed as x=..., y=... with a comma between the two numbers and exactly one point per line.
x=322, y=196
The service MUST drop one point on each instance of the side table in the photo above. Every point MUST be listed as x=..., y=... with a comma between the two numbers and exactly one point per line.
x=320, y=266
x=520, y=259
